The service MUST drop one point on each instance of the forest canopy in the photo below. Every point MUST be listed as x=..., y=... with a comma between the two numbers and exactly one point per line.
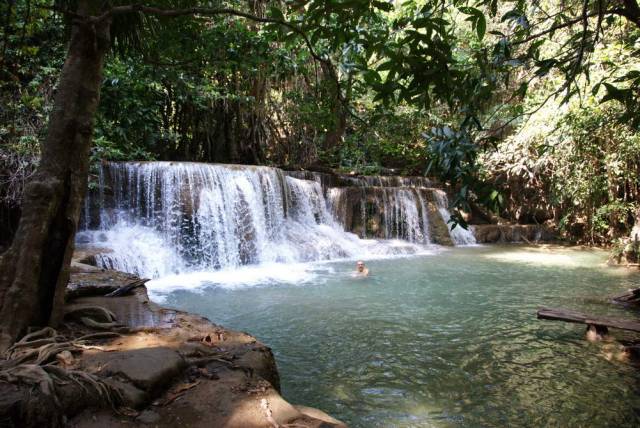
x=529, y=109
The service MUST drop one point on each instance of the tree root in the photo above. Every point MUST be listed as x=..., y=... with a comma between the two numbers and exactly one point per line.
x=101, y=335
x=96, y=313
x=88, y=382
x=42, y=346
x=96, y=317
x=49, y=378
x=45, y=332
x=89, y=322
x=33, y=362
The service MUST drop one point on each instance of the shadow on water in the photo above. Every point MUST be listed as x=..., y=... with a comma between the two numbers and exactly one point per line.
x=449, y=339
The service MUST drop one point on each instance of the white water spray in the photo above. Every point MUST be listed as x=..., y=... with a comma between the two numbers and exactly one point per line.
x=158, y=219
x=459, y=235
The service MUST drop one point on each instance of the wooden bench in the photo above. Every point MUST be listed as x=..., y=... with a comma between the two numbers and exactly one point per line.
x=629, y=297
x=595, y=324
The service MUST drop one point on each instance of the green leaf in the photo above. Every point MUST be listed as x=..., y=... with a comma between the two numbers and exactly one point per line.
x=614, y=93
x=276, y=13
x=481, y=26
x=477, y=18
x=512, y=14
x=387, y=7
x=386, y=66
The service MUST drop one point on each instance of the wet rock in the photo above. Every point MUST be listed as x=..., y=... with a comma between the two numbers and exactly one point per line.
x=492, y=233
x=382, y=211
x=94, y=282
x=83, y=268
x=438, y=229
x=133, y=310
x=488, y=233
x=87, y=254
x=83, y=239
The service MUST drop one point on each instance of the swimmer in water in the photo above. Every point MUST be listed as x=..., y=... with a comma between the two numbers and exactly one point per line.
x=361, y=270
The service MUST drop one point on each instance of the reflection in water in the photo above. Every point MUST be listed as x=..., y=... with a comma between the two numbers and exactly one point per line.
x=448, y=339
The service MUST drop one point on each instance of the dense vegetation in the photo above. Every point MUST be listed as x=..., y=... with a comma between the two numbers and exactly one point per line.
x=527, y=108
x=528, y=111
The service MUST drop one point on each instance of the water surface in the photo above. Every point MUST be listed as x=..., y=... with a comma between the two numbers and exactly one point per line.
x=447, y=339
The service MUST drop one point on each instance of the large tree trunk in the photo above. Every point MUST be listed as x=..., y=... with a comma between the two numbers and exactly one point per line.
x=34, y=271
x=334, y=135
x=253, y=141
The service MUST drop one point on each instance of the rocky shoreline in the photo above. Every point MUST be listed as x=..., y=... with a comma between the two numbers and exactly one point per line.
x=138, y=363
x=516, y=233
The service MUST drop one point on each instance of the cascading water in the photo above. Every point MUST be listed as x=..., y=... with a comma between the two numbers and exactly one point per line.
x=382, y=212
x=459, y=235
x=159, y=218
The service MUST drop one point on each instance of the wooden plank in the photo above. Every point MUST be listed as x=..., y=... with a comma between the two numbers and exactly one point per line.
x=580, y=318
x=629, y=296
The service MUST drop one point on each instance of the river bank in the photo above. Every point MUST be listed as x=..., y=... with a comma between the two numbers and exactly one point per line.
x=135, y=362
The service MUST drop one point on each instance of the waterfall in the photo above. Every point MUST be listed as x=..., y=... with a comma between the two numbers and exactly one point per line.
x=161, y=218
x=459, y=235
x=157, y=219
x=382, y=212
x=401, y=214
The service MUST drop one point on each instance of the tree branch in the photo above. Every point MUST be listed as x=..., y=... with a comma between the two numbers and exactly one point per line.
x=583, y=41
x=631, y=11
x=174, y=13
x=565, y=24
x=203, y=11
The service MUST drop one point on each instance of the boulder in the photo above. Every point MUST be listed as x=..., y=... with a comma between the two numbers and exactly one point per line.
x=149, y=369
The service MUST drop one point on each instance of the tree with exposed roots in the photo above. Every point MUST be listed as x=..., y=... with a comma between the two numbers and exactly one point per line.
x=34, y=271
x=413, y=63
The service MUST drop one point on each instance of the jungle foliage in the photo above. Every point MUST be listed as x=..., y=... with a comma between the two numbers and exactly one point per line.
x=527, y=108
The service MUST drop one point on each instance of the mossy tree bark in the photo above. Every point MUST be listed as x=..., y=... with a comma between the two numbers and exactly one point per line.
x=34, y=271
x=335, y=133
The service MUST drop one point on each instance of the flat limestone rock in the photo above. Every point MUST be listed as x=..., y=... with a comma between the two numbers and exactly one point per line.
x=178, y=369
x=319, y=415
x=77, y=267
x=147, y=368
x=236, y=401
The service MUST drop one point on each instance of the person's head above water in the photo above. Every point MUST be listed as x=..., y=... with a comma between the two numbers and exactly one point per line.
x=360, y=265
